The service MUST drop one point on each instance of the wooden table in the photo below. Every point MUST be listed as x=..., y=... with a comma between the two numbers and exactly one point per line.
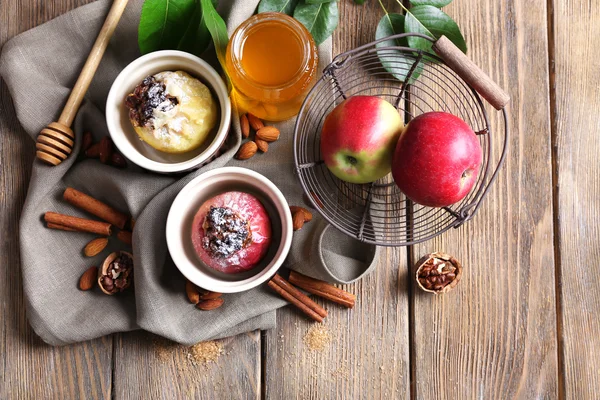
x=522, y=323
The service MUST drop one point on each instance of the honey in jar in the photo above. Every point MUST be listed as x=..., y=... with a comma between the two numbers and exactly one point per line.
x=272, y=63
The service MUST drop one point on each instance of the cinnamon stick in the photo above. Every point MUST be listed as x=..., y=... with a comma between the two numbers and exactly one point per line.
x=299, y=295
x=303, y=307
x=50, y=225
x=125, y=237
x=79, y=224
x=323, y=289
x=95, y=207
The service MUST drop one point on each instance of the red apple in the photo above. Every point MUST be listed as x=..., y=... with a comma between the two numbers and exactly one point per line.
x=231, y=232
x=358, y=139
x=437, y=159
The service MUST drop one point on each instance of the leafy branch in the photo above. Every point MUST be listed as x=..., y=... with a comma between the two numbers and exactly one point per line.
x=424, y=17
x=186, y=25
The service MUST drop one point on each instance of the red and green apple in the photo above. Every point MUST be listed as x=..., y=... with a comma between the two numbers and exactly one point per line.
x=358, y=139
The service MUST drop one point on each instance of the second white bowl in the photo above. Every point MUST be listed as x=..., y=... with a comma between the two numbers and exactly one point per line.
x=206, y=186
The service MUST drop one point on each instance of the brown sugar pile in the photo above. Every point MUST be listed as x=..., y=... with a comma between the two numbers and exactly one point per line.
x=205, y=352
x=199, y=354
x=317, y=338
x=165, y=349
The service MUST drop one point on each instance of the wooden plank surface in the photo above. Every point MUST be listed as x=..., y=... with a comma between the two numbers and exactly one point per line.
x=34, y=370
x=576, y=127
x=30, y=368
x=149, y=367
x=368, y=357
x=494, y=336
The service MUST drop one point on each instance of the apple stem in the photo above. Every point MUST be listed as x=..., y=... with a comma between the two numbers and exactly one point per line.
x=352, y=160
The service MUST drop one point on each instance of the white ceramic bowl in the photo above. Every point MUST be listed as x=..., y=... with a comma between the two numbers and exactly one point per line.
x=210, y=184
x=125, y=137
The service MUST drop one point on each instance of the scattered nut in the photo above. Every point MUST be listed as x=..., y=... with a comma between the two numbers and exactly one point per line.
x=125, y=237
x=117, y=160
x=245, y=126
x=438, y=273
x=262, y=145
x=208, y=295
x=307, y=214
x=93, y=151
x=106, y=150
x=255, y=122
x=88, y=279
x=192, y=292
x=297, y=220
x=116, y=274
x=87, y=141
x=247, y=150
x=208, y=305
x=268, y=134
x=95, y=247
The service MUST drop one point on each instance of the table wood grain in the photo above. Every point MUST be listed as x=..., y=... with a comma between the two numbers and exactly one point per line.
x=521, y=324
x=575, y=79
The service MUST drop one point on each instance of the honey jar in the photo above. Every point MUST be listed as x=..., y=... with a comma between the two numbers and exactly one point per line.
x=272, y=63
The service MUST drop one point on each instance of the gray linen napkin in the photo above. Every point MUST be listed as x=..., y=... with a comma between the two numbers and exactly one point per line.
x=39, y=67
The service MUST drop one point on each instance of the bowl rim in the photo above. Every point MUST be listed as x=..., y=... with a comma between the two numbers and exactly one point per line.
x=211, y=77
x=191, y=272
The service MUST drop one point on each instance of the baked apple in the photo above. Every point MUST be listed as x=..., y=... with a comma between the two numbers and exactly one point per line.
x=231, y=232
x=172, y=111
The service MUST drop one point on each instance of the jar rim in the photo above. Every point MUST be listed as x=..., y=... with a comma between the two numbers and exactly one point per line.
x=304, y=36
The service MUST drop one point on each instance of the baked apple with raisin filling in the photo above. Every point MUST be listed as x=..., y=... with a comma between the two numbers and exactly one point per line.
x=172, y=111
x=231, y=232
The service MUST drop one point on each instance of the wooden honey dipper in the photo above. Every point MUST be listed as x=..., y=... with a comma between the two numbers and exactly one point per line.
x=55, y=142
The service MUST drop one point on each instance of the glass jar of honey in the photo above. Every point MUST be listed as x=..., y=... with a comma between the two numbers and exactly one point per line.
x=272, y=63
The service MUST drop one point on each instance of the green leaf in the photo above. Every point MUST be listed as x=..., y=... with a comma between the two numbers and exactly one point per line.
x=217, y=28
x=318, y=1
x=390, y=24
x=320, y=19
x=195, y=38
x=394, y=61
x=171, y=24
x=282, y=6
x=433, y=22
x=435, y=3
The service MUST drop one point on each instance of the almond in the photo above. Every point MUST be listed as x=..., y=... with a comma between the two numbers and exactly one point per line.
x=247, y=150
x=268, y=134
x=106, y=150
x=208, y=305
x=93, y=151
x=307, y=214
x=117, y=160
x=245, y=126
x=125, y=237
x=255, y=122
x=297, y=220
x=88, y=140
x=192, y=292
x=262, y=145
x=95, y=247
x=208, y=295
x=88, y=279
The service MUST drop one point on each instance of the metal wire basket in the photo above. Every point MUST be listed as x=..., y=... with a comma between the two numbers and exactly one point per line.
x=448, y=81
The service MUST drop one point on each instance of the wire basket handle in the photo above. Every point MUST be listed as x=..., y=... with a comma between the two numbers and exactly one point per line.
x=471, y=73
